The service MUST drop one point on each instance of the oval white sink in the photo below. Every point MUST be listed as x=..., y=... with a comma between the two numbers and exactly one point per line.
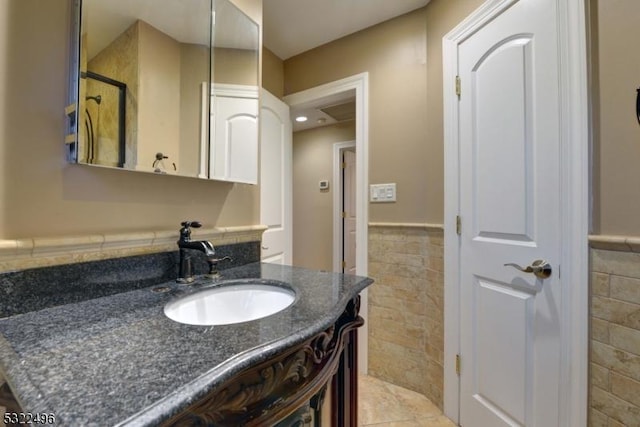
x=228, y=304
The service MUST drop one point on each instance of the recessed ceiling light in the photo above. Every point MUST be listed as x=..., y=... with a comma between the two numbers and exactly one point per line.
x=301, y=119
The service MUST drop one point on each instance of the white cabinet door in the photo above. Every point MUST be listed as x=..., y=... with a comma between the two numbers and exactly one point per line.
x=234, y=143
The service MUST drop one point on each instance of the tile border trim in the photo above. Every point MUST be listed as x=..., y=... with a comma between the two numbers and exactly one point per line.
x=34, y=252
x=615, y=242
x=414, y=225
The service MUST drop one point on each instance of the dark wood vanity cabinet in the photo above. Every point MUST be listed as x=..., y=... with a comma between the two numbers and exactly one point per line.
x=269, y=392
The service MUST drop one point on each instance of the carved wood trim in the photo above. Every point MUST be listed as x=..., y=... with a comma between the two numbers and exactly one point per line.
x=268, y=392
x=8, y=400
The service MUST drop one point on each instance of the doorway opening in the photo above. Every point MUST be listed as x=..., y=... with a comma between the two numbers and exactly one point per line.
x=357, y=87
x=344, y=199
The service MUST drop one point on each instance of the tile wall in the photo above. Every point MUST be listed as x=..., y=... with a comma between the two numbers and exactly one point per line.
x=614, y=395
x=406, y=333
x=406, y=306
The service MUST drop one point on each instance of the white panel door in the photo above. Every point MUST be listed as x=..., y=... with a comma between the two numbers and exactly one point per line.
x=275, y=180
x=349, y=209
x=510, y=209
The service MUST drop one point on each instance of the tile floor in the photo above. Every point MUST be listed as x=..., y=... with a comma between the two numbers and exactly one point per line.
x=386, y=405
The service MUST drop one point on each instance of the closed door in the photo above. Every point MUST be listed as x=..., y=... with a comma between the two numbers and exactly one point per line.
x=275, y=180
x=510, y=214
x=349, y=210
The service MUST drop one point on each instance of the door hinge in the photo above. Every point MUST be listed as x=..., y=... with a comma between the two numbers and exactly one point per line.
x=458, y=225
x=344, y=214
x=458, y=88
x=458, y=364
x=343, y=165
x=344, y=264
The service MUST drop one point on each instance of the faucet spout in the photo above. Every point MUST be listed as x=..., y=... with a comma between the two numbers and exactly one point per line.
x=203, y=246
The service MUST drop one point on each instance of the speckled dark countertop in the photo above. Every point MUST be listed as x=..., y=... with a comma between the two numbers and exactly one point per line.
x=117, y=360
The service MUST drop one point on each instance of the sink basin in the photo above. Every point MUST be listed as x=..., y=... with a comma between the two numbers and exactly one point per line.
x=234, y=302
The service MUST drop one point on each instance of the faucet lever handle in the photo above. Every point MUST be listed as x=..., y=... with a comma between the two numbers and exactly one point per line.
x=194, y=224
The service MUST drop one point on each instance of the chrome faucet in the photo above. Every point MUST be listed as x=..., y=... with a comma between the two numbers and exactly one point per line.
x=185, y=268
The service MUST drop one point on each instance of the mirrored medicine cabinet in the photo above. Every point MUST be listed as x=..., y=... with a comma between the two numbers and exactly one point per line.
x=165, y=87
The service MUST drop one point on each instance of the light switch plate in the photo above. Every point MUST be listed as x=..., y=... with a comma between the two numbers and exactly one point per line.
x=382, y=193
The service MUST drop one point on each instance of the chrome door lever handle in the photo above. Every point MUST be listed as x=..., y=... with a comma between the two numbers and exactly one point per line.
x=540, y=268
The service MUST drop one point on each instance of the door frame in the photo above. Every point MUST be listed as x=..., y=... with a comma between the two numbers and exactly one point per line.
x=575, y=140
x=359, y=84
x=338, y=192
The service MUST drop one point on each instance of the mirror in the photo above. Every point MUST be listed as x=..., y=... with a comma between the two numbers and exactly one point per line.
x=150, y=80
x=234, y=96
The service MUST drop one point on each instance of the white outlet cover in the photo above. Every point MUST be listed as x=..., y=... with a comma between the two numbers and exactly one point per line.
x=382, y=193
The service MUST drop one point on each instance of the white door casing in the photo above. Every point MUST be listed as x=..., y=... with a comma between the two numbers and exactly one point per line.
x=516, y=174
x=276, y=180
x=359, y=84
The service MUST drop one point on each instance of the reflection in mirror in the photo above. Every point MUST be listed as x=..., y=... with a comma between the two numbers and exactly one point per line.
x=233, y=154
x=145, y=98
x=142, y=69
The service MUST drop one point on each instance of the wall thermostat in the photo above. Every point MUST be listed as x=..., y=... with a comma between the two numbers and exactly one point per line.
x=324, y=184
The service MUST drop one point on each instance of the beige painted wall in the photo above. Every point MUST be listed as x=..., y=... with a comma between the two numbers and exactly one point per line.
x=192, y=74
x=158, y=97
x=404, y=60
x=4, y=105
x=616, y=132
x=616, y=149
x=313, y=208
x=235, y=66
x=43, y=195
x=253, y=9
x=272, y=73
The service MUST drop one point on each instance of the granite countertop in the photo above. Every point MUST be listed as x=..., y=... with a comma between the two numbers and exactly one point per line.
x=118, y=360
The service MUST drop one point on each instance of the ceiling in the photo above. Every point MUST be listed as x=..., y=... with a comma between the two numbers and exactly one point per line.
x=295, y=26
x=291, y=27
x=340, y=107
x=187, y=21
